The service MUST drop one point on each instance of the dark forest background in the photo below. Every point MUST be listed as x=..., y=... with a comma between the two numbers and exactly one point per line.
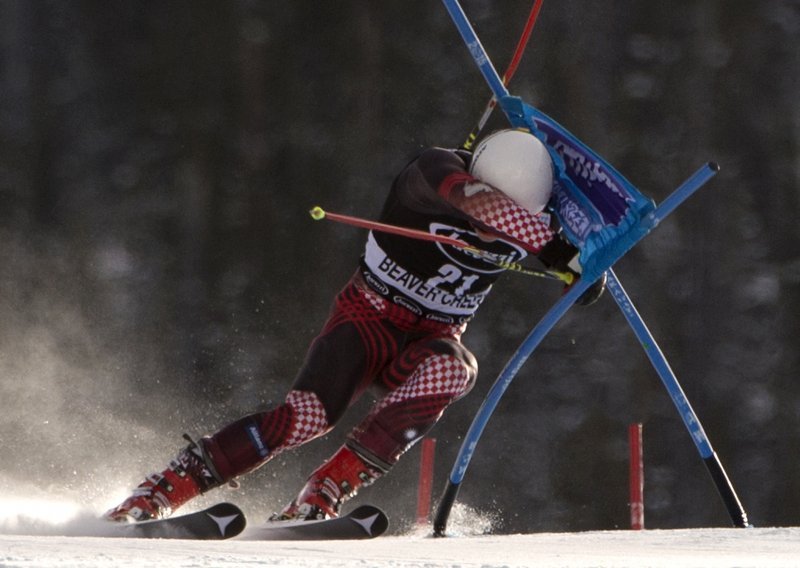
x=160, y=273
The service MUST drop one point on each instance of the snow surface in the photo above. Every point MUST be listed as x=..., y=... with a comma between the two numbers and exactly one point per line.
x=707, y=548
x=27, y=540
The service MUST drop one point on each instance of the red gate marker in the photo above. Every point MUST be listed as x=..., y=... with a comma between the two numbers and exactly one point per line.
x=425, y=480
x=636, y=477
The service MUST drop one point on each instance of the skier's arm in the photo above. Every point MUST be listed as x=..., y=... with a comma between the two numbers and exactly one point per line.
x=485, y=207
x=494, y=212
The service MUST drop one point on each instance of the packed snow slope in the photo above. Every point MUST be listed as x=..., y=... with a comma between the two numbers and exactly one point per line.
x=706, y=548
x=47, y=545
x=48, y=533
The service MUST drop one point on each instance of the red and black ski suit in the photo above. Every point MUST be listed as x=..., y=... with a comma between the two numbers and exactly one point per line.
x=397, y=324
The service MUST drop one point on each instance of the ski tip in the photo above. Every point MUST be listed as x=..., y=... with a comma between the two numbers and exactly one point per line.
x=371, y=519
x=229, y=519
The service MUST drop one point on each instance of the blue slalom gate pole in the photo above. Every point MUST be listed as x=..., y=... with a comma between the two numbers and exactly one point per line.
x=499, y=387
x=532, y=341
x=476, y=48
x=537, y=334
x=684, y=191
x=698, y=435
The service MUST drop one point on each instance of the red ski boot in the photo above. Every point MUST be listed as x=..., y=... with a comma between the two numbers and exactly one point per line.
x=336, y=481
x=161, y=493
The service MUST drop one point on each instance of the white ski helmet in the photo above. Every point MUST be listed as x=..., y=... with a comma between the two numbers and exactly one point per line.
x=516, y=163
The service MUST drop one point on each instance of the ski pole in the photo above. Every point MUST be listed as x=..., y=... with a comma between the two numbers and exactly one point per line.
x=318, y=213
x=510, y=70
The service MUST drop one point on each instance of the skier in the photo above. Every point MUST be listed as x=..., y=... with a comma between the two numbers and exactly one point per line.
x=396, y=325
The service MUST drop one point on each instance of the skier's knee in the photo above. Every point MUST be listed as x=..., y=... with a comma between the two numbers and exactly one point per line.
x=457, y=354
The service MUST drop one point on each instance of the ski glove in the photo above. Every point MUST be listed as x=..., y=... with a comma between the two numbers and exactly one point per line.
x=561, y=255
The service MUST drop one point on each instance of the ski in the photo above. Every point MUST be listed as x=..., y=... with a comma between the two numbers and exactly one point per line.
x=219, y=522
x=362, y=523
